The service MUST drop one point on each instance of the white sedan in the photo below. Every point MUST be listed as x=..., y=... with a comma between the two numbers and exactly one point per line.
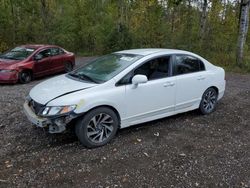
x=123, y=89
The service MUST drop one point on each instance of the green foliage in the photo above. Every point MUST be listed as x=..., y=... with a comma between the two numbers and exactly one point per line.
x=118, y=39
x=99, y=26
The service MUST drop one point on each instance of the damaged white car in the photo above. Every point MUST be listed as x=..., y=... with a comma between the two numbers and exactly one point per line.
x=123, y=89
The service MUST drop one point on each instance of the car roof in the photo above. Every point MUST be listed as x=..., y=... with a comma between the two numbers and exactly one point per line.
x=37, y=46
x=149, y=51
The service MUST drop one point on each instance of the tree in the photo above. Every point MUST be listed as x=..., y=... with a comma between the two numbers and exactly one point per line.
x=243, y=29
x=93, y=27
x=203, y=18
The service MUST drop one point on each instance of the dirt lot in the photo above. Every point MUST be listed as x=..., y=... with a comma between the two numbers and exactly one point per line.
x=187, y=150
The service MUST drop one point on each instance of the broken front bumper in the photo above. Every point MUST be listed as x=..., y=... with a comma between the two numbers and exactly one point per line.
x=33, y=118
x=56, y=124
x=9, y=77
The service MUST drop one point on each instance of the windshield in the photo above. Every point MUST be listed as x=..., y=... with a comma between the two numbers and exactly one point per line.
x=105, y=67
x=18, y=53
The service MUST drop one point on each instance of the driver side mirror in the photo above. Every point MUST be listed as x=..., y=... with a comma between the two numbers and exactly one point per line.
x=139, y=79
x=38, y=57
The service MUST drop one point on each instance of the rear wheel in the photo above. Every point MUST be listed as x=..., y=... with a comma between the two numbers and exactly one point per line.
x=97, y=127
x=25, y=77
x=68, y=66
x=208, y=101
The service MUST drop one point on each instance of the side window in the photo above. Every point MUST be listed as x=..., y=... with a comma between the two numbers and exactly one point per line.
x=55, y=51
x=126, y=79
x=61, y=51
x=45, y=53
x=187, y=64
x=154, y=69
x=202, y=66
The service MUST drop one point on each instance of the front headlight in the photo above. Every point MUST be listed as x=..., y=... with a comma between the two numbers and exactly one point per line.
x=57, y=110
x=7, y=70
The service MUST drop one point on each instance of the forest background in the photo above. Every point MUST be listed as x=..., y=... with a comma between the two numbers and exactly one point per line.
x=212, y=28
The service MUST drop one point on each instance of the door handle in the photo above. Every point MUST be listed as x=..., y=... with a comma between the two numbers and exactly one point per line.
x=168, y=84
x=201, y=78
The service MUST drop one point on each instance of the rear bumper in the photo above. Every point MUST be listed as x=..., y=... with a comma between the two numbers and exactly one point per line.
x=221, y=94
x=222, y=90
x=9, y=77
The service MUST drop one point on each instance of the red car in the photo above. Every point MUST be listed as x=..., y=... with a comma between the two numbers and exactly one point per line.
x=26, y=62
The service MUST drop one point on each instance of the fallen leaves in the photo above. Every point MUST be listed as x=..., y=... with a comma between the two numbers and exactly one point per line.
x=139, y=140
x=157, y=134
x=8, y=164
x=182, y=154
x=145, y=154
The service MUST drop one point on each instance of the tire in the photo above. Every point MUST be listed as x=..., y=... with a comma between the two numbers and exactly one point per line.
x=97, y=127
x=68, y=66
x=25, y=77
x=208, y=101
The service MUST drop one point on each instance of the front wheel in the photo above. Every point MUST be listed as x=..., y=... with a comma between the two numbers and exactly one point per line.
x=97, y=127
x=208, y=101
x=25, y=77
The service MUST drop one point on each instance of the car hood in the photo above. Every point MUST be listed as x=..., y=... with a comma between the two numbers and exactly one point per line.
x=6, y=63
x=56, y=87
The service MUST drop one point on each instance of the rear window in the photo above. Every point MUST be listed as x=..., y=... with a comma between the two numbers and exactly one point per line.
x=185, y=64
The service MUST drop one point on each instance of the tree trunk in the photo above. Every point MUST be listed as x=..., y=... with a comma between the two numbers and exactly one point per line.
x=173, y=20
x=14, y=22
x=44, y=16
x=243, y=29
x=203, y=19
x=189, y=25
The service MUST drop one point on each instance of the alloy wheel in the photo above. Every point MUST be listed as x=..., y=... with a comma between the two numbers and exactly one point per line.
x=25, y=77
x=209, y=100
x=100, y=128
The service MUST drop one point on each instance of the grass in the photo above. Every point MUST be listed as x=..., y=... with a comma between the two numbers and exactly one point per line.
x=228, y=62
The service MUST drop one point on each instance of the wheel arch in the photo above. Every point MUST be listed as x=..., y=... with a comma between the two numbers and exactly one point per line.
x=27, y=70
x=214, y=87
x=69, y=61
x=107, y=106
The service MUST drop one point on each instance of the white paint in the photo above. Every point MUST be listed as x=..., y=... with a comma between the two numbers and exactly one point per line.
x=59, y=85
x=148, y=101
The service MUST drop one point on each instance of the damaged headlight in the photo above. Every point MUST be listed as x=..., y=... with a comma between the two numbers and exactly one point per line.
x=57, y=110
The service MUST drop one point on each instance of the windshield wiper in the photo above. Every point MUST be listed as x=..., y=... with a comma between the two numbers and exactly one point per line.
x=83, y=77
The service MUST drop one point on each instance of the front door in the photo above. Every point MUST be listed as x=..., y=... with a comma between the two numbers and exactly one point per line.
x=42, y=66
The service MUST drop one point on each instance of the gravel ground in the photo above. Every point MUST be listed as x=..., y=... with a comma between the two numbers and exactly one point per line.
x=186, y=150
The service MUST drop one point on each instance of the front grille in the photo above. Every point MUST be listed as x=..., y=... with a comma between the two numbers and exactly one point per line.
x=36, y=107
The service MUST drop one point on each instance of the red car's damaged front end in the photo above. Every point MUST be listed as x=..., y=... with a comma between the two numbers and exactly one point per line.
x=9, y=77
x=26, y=62
x=9, y=71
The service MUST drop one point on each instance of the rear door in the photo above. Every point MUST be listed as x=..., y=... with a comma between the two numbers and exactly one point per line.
x=42, y=66
x=57, y=60
x=191, y=79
